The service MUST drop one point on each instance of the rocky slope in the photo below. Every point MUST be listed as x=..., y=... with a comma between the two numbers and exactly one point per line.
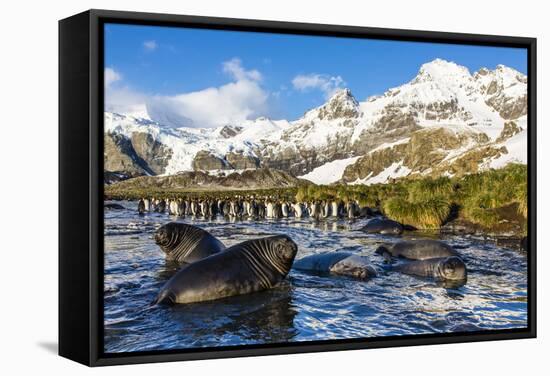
x=444, y=121
x=247, y=179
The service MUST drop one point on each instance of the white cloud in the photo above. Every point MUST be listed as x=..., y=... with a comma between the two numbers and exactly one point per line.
x=313, y=81
x=150, y=45
x=230, y=103
x=124, y=100
x=234, y=68
x=111, y=76
x=120, y=98
x=234, y=102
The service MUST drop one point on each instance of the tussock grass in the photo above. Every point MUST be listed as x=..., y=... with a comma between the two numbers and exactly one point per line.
x=484, y=217
x=480, y=194
x=428, y=214
x=521, y=198
x=429, y=188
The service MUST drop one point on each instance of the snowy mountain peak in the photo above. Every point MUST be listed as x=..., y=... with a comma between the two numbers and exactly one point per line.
x=442, y=70
x=342, y=104
x=503, y=74
x=343, y=95
x=504, y=89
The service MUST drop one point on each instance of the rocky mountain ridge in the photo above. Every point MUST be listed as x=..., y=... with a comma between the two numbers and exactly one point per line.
x=445, y=121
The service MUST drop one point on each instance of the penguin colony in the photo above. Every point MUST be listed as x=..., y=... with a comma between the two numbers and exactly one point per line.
x=253, y=208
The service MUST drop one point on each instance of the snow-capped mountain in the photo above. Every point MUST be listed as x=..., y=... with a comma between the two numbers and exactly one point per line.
x=444, y=121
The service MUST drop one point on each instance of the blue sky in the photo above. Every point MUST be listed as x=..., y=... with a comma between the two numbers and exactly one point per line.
x=163, y=62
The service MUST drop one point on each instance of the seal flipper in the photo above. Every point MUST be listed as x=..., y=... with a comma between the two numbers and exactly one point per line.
x=165, y=297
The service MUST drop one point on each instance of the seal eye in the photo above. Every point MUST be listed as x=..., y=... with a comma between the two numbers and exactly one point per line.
x=160, y=236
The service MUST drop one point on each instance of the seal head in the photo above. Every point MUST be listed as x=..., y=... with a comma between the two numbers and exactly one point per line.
x=451, y=268
x=182, y=242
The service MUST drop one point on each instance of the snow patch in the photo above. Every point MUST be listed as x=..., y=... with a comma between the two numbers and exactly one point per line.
x=394, y=171
x=330, y=172
x=517, y=151
x=387, y=145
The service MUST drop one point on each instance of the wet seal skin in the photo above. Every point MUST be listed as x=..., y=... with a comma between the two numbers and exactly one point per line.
x=250, y=266
x=383, y=226
x=113, y=207
x=186, y=243
x=340, y=263
x=417, y=249
x=441, y=269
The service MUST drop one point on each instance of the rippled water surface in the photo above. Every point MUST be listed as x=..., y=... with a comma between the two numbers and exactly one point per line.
x=304, y=307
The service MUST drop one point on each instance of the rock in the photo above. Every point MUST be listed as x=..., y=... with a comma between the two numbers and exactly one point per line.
x=341, y=105
x=110, y=177
x=139, y=155
x=120, y=156
x=205, y=161
x=153, y=153
x=250, y=179
x=229, y=131
x=510, y=129
x=240, y=161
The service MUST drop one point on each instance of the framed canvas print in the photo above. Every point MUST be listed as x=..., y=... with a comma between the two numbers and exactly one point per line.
x=239, y=187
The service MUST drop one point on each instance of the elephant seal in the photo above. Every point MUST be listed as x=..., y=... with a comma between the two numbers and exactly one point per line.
x=113, y=207
x=341, y=263
x=442, y=268
x=250, y=266
x=417, y=249
x=383, y=226
x=186, y=243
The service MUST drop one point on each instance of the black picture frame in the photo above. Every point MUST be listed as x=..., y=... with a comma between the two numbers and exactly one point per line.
x=81, y=187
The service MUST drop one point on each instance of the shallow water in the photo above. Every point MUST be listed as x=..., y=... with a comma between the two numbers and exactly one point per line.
x=305, y=306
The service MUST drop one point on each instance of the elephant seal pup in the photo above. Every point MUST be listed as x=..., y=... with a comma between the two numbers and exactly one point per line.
x=341, y=263
x=113, y=207
x=417, y=249
x=383, y=226
x=442, y=268
x=186, y=243
x=247, y=267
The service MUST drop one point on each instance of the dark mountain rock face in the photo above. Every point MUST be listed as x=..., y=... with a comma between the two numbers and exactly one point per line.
x=510, y=129
x=509, y=108
x=341, y=105
x=120, y=156
x=250, y=179
x=152, y=152
x=240, y=161
x=423, y=153
x=114, y=177
x=229, y=131
x=135, y=156
x=205, y=161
